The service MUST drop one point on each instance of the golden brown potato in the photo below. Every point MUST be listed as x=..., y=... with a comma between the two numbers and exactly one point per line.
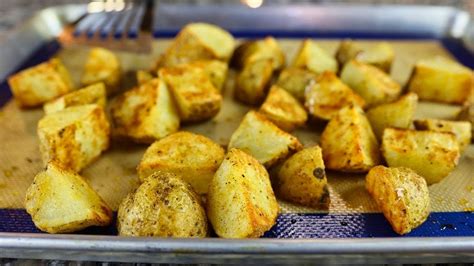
x=259, y=137
x=143, y=77
x=252, y=82
x=283, y=110
x=380, y=54
x=467, y=114
x=194, y=158
x=36, y=85
x=61, y=201
x=215, y=70
x=431, y=154
x=195, y=96
x=295, y=81
x=252, y=51
x=401, y=194
x=241, y=202
x=397, y=114
x=302, y=179
x=328, y=95
x=102, y=65
x=348, y=143
x=442, y=80
x=162, y=206
x=460, y=129
x=314, y=58
x=145, y=113
x=93, y=94
x=374, y=85
x=74, y=137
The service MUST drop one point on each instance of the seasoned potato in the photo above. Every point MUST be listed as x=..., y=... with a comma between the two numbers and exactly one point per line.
x=397, y=114
x=145, y=113
x=61, y=201
x=283, y=110
x=74, y=137
x=102, y=65
x=442, y=80
x=195, y=96
x=295, y=81
x=374, y=85
x=460, y=129
x=198, y=41
x=348, y=143
x=36, y=85
x=314, y=58
x=380, y=54
x=430, y=154
x=252, y=51
x=328, y=95
x=241, y=202
x=259, y=137
x=91, y=94
x=252, y=82
x=467, y=114
x=162, y=206
x=144, y=76
x=302, y=179
x=194, y=158
x=215, y=70
x=401, y=194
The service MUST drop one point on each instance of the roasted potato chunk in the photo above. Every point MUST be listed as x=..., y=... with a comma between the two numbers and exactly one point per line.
x=252, y=82
x=325, y=97
x=380, y=55
x=467, y=114
x=252, y=51
x=194, y=158
x=241, y=202
x=397, y=114
x=162, y=206
x=431, y=154
x=36, y=85
x=348, y=143
x=262, y=139
x=302, y=179
x=442, y=80
x=145, y=113
x=295, y=81
x=314, y=58
x=195, y=96
x=401, y=194
x=143, y=77
x=61, y=201
x=460, y=129
x=93, y=94
x=374, y=85
x=102, y=65
x=74, y=137
x=283, y=110
x=215, y=70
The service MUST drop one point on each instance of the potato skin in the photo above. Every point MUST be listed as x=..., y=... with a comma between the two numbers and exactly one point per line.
x=380, y=55
x=241, y=202
x=312, y=57
x=102, y=65
x=92, y=94
x=431, y=154
x=162, y=206
x=302, y=179
x=467, y=114
x=460, y=129
x=401, y=194
x=252, y=82
x=295, y=80
x=252, y=51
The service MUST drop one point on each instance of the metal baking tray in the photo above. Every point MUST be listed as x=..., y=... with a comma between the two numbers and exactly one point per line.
x=451, y=27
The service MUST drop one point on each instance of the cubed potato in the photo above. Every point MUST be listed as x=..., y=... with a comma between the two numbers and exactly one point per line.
x=252, y=82
x=460, y=129
x=302, y=179
x=442, y=80
x=145, y=113
x=74, y=137
x=314, y=58
x=401, y=194
x=163, y=206
x=295, y=81
x=215, y=70
x=36, y=85
x=431, y=154
x=397, y=114
x=241, y=202
x=194, y=158
x=328, y=95
x=61, y=201
x=198, y=41
x=283, y=110
x=195, y=96
x=374, y=85
x=467, y=114
x=259, y=137
x=380, y=54
x=348, y=142
x=102, y=65
x=252, y=51
x=143, y=77
x=93, y=94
